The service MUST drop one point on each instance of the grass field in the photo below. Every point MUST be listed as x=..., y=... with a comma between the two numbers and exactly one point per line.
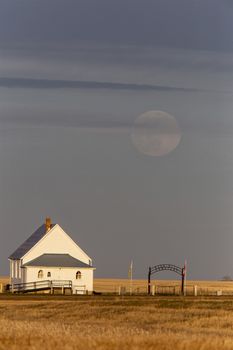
x=111, y=322
x=108, y=285
x=166, y=286
x=4, y=279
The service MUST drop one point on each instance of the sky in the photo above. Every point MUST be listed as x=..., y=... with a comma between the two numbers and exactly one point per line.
x=74, y=77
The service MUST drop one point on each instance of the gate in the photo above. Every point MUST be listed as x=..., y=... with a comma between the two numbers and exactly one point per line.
x=167, y=267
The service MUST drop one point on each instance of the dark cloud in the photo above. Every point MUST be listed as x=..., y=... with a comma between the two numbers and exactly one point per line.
x=64, y=84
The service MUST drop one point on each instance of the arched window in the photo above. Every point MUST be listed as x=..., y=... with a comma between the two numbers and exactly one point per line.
x=40, y=274
x=78, y=275
x=49, y=274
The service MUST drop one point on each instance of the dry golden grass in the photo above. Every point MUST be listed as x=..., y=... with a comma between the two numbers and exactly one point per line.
x=112, y=285
x=118, y=322
x=4, y=279
x=112, y=322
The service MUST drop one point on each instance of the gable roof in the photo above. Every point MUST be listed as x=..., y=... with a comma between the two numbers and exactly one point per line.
x=30, y=242
x=56, y=260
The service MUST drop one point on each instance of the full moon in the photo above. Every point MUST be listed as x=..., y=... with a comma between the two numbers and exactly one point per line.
x=155, y=133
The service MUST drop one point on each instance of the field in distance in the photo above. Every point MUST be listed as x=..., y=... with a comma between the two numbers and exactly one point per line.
x=140, y=286
x=108, y=285
x=115, y=322
x=4, y=279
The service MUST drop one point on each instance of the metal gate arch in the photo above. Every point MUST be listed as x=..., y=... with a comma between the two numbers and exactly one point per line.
x=181, y=271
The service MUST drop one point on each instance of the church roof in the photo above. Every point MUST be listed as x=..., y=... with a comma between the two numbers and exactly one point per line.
x=56, y=260
x=30, y=242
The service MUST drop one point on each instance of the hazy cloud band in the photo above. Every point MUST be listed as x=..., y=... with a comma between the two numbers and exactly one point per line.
x=29, y=83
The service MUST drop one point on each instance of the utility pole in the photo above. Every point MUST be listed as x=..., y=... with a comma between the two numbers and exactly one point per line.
x=130, y=275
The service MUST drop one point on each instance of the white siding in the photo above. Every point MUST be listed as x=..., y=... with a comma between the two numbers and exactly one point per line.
x=65, y=273
x=11, y=269
x=56, y=241
x=15, y=271
x=19, y=269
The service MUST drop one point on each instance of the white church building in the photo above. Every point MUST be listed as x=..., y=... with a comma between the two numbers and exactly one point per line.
x=49, y=255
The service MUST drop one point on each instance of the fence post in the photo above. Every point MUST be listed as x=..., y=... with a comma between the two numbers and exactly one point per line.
x=195, y=291
x=153, y=290
x=119, y=290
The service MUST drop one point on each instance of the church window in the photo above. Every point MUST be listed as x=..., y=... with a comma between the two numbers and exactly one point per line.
x=78, y=275
x=40, y=274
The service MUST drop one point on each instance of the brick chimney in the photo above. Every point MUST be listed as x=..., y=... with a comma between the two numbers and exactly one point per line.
x=47, y=224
